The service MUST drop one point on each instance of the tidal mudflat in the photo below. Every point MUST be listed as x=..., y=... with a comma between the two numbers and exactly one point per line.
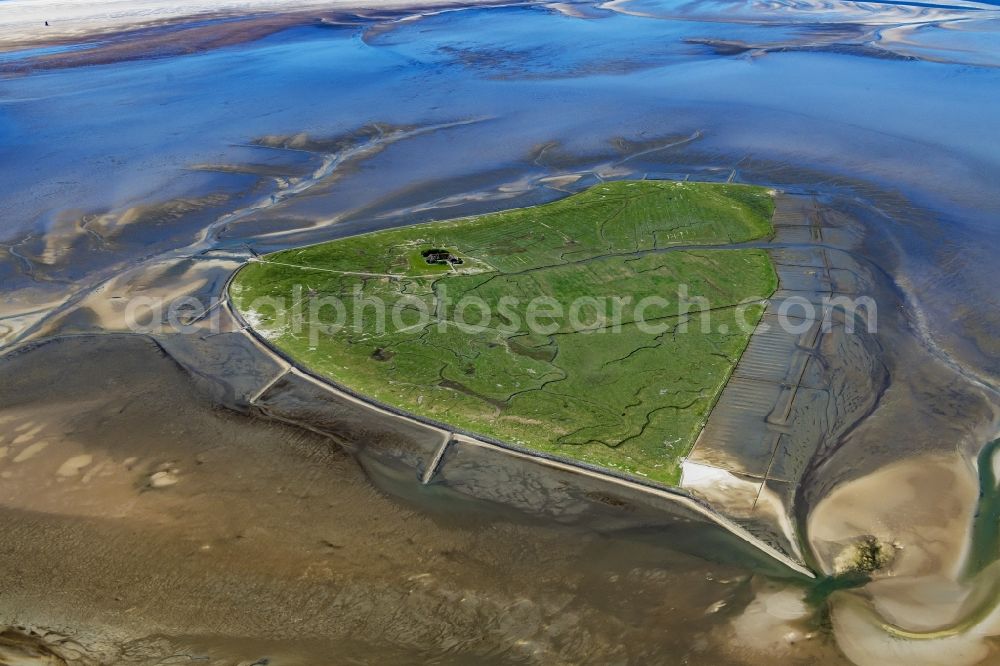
x=132, y=485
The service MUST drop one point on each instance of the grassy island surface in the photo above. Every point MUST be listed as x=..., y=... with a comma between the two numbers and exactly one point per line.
x=523, y=325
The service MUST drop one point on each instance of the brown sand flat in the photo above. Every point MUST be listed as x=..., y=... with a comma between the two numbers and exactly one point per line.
x=140, y=521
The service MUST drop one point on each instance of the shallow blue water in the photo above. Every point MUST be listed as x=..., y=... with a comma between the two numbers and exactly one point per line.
x=539, y=74
x=99, y=137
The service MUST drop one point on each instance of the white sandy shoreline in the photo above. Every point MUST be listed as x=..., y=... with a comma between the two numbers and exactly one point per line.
x=22, y=22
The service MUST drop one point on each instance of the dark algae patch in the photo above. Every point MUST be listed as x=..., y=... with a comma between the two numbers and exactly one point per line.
x=985, y=547
x=585, y=374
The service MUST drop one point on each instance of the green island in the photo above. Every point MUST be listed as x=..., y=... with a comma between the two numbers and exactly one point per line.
x=549, y=351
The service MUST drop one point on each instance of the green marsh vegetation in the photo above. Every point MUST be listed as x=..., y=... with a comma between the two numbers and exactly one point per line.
x=558, y=328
